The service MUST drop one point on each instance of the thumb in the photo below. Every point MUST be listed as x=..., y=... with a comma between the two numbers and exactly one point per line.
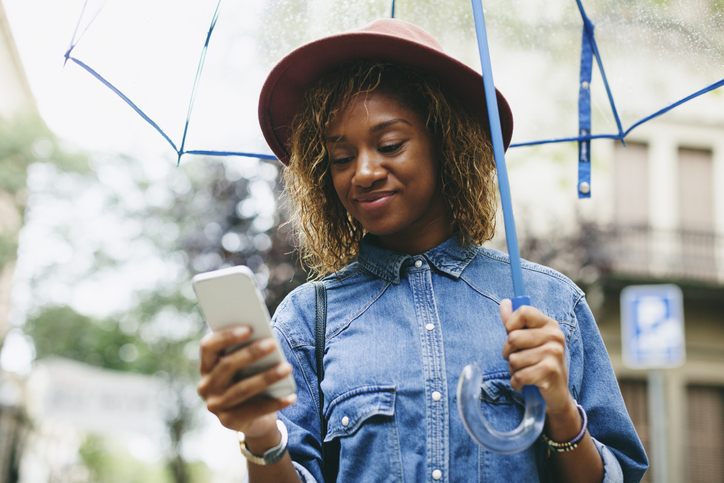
x=506, y=309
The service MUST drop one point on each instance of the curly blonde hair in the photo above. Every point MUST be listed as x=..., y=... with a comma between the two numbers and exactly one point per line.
x=328, y=237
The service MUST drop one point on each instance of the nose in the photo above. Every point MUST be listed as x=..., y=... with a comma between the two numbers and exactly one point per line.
x=369, y=169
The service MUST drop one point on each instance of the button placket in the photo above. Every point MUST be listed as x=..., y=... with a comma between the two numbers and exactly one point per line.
x=434, y=369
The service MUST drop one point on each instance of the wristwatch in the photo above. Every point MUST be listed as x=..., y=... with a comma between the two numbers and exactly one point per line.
x=272, y=455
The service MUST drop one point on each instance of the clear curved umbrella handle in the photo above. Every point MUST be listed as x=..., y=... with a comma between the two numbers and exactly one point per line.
x=520, y=438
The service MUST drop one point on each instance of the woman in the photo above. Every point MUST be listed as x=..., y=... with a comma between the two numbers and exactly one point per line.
x=389, y=164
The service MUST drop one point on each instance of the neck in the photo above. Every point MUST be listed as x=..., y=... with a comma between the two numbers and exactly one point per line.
x=418, y=242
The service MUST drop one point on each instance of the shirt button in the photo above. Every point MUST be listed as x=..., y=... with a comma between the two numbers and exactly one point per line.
x=418, y=263
x=345, y=421
x=436, y=474
x=430, y=326
x=436, y=396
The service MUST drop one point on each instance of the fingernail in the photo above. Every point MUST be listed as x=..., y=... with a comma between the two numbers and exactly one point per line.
x=241, y=331
x=266, y=344
x=290, y=398
x=284, y=369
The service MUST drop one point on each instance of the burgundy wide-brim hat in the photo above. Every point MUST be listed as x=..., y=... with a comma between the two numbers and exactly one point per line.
x=385, y=40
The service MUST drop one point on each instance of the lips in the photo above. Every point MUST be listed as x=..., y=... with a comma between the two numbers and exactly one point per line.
x=375, y=200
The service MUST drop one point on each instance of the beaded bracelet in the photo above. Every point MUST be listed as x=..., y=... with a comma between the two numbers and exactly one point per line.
x=572, y=444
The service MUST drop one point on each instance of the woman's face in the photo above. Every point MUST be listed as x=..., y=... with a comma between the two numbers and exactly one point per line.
x=386, y=173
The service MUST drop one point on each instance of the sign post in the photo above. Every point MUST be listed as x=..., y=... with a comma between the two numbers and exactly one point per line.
x=652, y=336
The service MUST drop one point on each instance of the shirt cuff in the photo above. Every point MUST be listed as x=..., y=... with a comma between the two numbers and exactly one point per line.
x=304, y=473
x=612, y=472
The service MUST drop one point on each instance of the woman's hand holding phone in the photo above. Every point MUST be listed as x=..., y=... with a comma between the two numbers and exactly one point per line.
x=240, y=404
x=245, y=377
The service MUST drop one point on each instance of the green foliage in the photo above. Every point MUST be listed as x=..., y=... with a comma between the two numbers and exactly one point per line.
x=61, y=331
x=22, y=143
x=182, y=219
x=27, y=141
x=117, y=466
x=8, y=247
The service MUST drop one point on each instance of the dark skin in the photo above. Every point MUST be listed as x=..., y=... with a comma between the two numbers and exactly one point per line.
x=386, y=174
x=536, y=354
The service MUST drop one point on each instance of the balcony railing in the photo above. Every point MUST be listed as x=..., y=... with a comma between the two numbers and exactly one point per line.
x=643, y=251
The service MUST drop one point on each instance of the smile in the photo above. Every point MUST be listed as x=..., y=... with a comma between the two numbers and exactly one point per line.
x=374, y=201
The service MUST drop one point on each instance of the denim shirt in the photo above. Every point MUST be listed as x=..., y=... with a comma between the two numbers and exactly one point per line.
x=400, y=329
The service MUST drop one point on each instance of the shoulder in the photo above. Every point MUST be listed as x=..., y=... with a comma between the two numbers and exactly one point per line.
x=348, y=293
x=549, y=290
x=294, y=318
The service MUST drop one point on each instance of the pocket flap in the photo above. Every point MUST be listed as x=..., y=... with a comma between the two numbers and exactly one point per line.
x=496, y=389
x=347, y=412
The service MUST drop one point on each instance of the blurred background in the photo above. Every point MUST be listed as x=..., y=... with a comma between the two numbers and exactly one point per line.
x=102, y=226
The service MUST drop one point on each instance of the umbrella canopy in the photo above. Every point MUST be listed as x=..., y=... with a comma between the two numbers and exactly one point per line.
x=653, y=53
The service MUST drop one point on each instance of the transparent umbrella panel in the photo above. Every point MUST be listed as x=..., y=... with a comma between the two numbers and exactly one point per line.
x=653, y=53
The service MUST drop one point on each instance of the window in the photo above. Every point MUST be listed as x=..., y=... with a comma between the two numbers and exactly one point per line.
x=705, y=428
x=696, y=213
x=631, y=208
x=635, y=396
x=632, y=184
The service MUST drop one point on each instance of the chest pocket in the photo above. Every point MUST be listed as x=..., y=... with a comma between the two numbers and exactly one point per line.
x=496, y=389
x=362, y=422
x=502, y=405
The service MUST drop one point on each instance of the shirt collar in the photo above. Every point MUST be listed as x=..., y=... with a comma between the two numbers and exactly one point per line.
x=450, y=257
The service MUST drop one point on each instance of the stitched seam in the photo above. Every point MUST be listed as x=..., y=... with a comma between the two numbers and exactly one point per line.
x=534, y=267
x=301, y=367
x=361, y=311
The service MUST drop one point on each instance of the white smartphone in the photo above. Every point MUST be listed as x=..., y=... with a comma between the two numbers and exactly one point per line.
x=229, y=296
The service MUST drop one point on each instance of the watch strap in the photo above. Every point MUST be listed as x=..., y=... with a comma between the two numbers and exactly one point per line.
x=270, y=456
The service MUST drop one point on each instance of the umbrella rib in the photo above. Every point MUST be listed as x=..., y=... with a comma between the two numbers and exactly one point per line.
x=589, y=30
x=199, y=69
x=696, y=94
x=203, y=152
x=625, y=133
x=124, y=97
x=76, y=38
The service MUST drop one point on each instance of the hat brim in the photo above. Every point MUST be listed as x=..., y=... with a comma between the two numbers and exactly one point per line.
x=287, y=83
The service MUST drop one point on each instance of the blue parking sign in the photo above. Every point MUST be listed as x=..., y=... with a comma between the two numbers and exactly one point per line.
x=652, y=326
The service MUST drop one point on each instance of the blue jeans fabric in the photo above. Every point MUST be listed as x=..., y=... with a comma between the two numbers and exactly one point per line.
x=400, y=329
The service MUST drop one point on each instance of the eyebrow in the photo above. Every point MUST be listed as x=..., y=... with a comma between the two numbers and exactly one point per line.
x=375, y=129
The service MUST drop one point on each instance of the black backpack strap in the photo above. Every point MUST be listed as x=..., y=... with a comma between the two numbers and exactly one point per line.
x=319, y=344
